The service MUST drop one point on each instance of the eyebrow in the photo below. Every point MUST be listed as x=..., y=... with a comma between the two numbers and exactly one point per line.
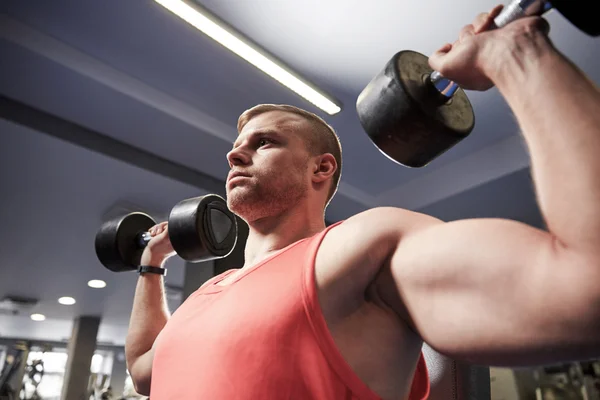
x=260, y=132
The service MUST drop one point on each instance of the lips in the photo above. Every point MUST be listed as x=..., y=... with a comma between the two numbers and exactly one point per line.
x=237, y=174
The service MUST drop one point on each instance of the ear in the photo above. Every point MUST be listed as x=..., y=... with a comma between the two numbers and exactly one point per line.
x=324, y=167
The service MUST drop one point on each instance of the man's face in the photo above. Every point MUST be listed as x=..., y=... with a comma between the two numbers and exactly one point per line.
x=272, y=157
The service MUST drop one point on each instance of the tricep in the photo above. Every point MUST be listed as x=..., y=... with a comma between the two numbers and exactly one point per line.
x=496, y=292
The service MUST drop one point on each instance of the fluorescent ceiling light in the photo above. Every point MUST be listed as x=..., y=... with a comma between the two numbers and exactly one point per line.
x=96, y=284
x=38, y=317
x=67, y=301
x=203, y=22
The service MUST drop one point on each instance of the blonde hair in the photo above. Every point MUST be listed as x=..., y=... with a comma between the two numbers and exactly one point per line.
x=322, y=139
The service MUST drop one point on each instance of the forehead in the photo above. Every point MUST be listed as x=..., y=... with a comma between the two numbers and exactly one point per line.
x=280, y=121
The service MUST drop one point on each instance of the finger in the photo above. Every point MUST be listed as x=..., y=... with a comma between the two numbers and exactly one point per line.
x=480, y=21
x=465, y=32
x=444, y=49
x=436, y=59
x=496, y=11
x=488, y=22
x=158, y=228
x=164, y=233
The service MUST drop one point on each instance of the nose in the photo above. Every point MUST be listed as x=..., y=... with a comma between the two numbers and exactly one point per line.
x=238, y=156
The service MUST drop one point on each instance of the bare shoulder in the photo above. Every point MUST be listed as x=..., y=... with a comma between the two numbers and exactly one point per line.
x=353, y=252
x=371, y=233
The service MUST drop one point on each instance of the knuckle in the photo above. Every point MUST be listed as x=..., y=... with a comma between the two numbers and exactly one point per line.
x=528, y=27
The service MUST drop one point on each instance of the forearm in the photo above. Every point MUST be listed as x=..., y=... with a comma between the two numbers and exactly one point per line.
x=558, y=110
x=148, y=317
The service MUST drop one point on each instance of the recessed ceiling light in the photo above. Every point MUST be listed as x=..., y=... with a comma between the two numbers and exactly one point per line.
x=38, y=317
x=67, y=301
x=96, y=284
x=205, y=22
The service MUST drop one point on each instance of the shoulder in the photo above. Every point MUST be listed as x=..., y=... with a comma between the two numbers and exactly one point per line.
x=380, y=223
x=352, y=253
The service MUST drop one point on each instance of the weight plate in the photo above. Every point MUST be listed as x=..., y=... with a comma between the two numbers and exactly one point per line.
x=407, y=119
x=202, y=228
x=577, y=14
x=116, y=241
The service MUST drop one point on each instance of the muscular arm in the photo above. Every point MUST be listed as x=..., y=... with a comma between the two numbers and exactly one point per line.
x=557, y=108
x=500, y=292
x=148, y=317
x=495, y=292
x=492, y=291
x=150, y=311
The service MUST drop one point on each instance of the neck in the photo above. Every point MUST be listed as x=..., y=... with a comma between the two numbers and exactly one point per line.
x=270, y=234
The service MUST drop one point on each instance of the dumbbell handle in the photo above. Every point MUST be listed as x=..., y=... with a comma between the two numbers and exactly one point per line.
x=143, y=238
x=515, y=10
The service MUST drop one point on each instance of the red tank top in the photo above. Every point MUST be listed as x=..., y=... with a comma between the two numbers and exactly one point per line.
x=262, y=336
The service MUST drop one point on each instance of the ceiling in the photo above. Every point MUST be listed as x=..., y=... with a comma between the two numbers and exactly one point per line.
x=119, y=104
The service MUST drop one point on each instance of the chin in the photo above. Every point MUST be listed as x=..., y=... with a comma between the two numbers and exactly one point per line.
x=243, y=203
x=252, y=203
x=251, y=206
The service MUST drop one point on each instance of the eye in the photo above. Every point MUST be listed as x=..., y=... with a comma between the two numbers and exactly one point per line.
x=264, y=141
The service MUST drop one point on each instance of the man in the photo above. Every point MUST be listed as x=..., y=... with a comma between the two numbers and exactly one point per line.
x=342, y=311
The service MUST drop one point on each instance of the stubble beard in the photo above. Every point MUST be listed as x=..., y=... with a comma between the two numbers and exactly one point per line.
x=252, y=201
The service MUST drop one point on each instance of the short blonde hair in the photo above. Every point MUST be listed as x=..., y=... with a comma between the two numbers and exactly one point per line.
x=322, y=139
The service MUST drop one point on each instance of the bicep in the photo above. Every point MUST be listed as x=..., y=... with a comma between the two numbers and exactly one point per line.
x=492, y=291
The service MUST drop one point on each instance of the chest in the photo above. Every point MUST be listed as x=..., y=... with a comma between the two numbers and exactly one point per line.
x=241, y=310
x=267, y=320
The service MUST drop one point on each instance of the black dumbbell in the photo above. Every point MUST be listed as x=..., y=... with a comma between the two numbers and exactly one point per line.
x=200, y=229
x=413, y=114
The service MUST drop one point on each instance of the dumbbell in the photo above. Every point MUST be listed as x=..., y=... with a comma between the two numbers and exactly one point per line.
x=200, y=229
x=413, y=114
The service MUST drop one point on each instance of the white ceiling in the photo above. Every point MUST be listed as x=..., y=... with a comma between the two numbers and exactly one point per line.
x=134, y=73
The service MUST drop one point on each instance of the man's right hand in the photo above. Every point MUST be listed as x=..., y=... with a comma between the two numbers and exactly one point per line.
x=159, y=249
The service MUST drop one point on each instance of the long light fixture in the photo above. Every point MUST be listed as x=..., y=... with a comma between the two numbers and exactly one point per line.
x=204, y=22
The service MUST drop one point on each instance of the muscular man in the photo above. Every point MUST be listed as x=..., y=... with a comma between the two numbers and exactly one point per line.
x=342, y=311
